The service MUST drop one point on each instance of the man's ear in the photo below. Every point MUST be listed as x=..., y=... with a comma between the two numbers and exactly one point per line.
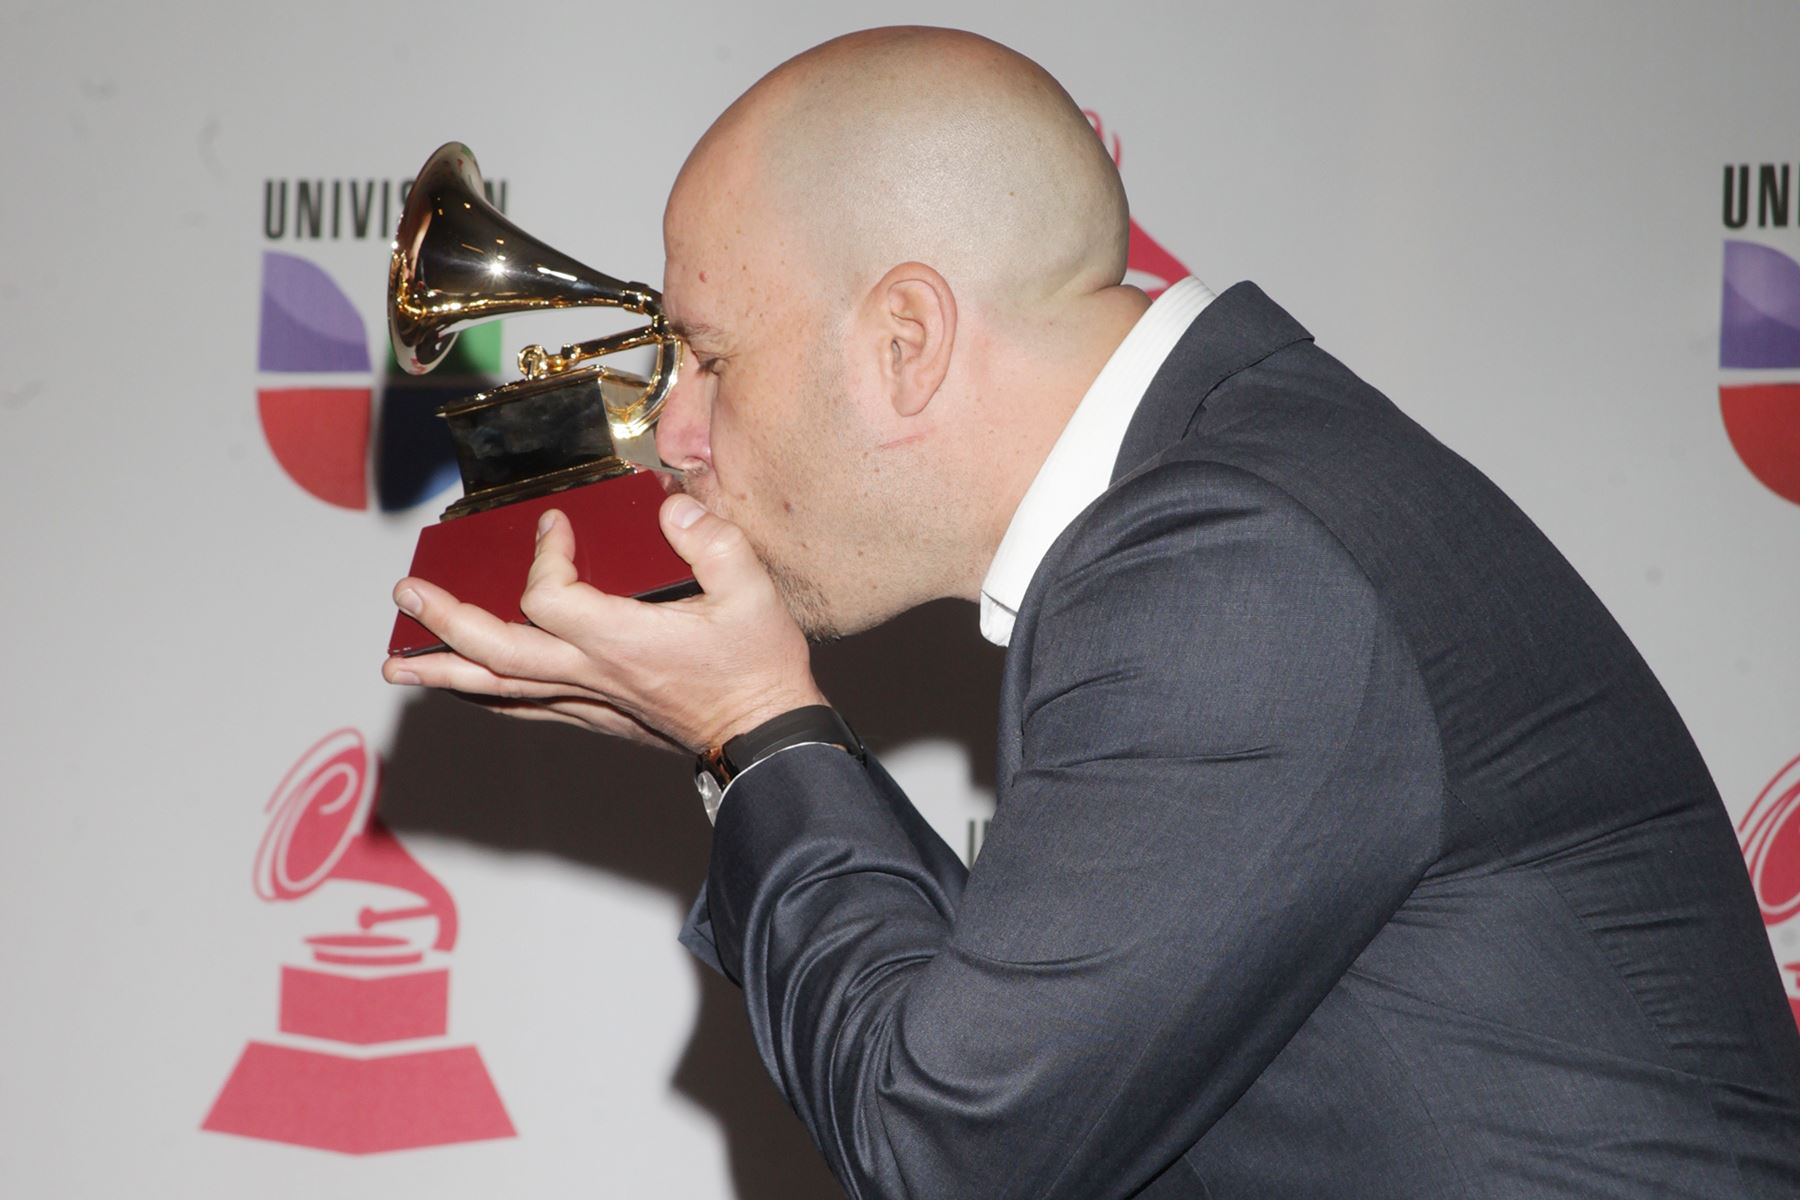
x=915, y=319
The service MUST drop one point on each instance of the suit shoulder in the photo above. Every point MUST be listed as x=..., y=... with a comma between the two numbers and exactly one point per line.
x=1182, y=508
x=1190, y=567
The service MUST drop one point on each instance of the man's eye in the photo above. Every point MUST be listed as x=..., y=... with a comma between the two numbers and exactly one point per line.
x=708, y=365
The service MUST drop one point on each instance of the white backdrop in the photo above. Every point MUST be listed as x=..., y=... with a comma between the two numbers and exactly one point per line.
x=1507, y=215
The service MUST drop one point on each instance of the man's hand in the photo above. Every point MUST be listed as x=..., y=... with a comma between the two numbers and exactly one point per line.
x=686, y=674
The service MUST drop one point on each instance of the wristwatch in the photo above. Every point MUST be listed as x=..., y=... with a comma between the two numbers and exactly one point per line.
x=816, y=723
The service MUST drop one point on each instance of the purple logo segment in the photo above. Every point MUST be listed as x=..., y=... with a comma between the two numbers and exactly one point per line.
x=308, y=324
x=1760, y=323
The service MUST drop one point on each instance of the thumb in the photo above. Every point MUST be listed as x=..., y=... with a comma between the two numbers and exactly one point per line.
x=720, y=554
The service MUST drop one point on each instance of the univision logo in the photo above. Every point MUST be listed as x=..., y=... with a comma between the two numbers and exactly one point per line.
x=1759, y=330
x=321, y=209
x=347, y=425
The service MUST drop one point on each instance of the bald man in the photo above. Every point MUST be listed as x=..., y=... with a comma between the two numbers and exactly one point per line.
x=1344, y=847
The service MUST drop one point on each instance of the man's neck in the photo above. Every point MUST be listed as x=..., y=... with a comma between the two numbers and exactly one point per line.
x=1050, y=375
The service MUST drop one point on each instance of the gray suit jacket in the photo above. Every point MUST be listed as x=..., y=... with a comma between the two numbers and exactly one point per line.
x=1344, y=847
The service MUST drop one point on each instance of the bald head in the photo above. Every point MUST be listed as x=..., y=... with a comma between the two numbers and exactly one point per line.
x=926, y=145
x=897, y=261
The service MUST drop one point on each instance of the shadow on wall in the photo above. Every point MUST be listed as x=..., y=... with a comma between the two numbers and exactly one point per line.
x=456, y=770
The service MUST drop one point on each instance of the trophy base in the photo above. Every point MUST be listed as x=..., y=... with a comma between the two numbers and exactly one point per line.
x=483, y=558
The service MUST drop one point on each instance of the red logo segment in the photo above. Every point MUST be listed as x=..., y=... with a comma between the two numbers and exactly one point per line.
x=360, y=1105
x=1763, y=422
x=320, y=436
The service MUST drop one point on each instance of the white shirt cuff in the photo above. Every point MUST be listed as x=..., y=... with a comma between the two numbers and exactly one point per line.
x=715, y=803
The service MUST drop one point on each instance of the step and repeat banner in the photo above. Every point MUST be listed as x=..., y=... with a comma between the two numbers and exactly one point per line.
x=274, y=928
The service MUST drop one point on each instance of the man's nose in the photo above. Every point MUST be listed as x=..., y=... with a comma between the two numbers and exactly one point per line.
x=682, y=438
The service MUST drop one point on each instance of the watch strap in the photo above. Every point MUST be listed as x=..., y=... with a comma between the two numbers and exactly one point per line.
x=819, y=723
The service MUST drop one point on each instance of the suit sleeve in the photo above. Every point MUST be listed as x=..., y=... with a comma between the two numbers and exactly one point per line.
x=1229, y=782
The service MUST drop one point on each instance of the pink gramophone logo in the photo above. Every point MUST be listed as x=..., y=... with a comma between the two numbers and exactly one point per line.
x=1147, y=264
x=1770, y=833
x=363, y=1064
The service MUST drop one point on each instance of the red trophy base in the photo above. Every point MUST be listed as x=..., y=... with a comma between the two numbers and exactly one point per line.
x=360, y=1105
x=484, y=557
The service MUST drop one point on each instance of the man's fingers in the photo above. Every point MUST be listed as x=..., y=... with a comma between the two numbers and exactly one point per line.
x=503, y=647
x=527, y=699
x=553, y=565
x=452, y=672
x=718, y=551
x=555, y=599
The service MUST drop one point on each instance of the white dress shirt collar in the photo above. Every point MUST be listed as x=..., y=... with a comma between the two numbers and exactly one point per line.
x=1079, y=466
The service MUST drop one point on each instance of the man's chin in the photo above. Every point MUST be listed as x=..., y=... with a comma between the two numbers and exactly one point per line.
x=806, y=603
x=821, y=621
x=806, y=599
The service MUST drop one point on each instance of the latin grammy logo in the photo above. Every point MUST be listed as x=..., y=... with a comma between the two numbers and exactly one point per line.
x=363, y=1064
x=1770, y=833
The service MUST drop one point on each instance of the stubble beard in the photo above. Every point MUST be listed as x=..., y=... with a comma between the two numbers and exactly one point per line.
x=805, y=601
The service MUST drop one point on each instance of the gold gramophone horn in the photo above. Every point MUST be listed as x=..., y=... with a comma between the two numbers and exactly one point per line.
x=567, y=436
x=458, y=262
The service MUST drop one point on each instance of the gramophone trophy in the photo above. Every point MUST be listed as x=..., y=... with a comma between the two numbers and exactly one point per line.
x=550, y=440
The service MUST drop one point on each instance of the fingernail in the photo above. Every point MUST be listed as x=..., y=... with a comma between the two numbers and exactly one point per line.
x=409, y=601
x=685, y=511
x=544, y=523
x=406, y=677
